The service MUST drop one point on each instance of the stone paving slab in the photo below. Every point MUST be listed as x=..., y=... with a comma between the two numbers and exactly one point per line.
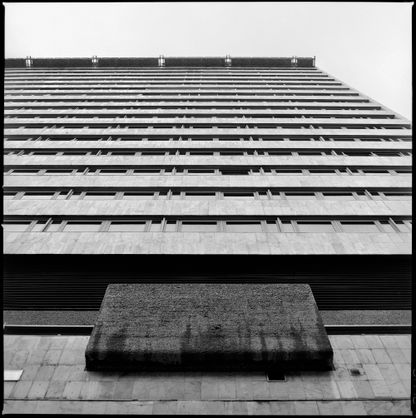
x=379, y=378
x=209, y=407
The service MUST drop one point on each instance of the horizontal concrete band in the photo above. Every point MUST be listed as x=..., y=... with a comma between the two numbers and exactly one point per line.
x=234, y=207
x=289, y=96
x=205, y=181
x=211, y=103
x=212, y=121
x=212, y=132
x=207, y=145
x=318, y=91
x=149, y=85
x=313, y=161
x=181, y=112
x=205, y=243
x=162, y=71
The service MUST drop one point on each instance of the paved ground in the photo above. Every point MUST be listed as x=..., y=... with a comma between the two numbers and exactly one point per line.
x=371, y=376
x=403, y=317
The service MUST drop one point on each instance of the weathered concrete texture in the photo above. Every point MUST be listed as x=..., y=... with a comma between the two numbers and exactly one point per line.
x=207, y=145
x=350, y=317
x=208, y=327
x=215, y=207
x=206, y=243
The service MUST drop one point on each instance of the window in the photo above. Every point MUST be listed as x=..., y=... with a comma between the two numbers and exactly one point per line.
x=58, y=172
x=375, y=171
x=287, y=171
x=357, y=153
x=310, y=152
x=75, y=152
x=359, y=226
x=199, y=226
x=338, y=196
x=200, y=171
x=153, y=153
x=99, y=196
x=315, y=226
x=122, y=153
x=82, y=226
x=239, y=195
x=127, y=226
x=24, y=172
x=147, y=172
x=235, y=172
x=200, y=195
x=112, y=172
x=44, y=152
x=16, y=226
x=225, y=153
x=321, y=171
x=243, y=226
x=398, y=195
x=387, y=153
x=200, y=153
x=37, y=195
x=138, y=195
x=279, y=153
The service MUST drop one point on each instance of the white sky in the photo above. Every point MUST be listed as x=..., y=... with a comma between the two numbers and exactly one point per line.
x=366, y=45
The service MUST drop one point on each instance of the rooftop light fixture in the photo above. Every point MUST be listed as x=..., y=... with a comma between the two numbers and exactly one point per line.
x=29, y=61
x=161, y=61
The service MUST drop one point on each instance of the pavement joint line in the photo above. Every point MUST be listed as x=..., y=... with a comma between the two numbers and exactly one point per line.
x=378, y=399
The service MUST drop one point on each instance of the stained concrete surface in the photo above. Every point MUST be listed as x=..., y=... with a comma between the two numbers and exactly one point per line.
x=344, y=317
x=208, y=327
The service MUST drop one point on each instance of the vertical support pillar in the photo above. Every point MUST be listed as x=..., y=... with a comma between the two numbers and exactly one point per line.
x=228, y=61
x=94, y=61
x=161, y=61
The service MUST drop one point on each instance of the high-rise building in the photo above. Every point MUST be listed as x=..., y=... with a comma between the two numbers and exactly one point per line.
x=201, y=170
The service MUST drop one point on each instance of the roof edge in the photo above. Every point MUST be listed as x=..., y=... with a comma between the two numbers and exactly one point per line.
x=161, y=61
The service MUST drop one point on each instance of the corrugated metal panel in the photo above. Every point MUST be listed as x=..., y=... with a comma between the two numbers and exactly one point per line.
x=85, y=292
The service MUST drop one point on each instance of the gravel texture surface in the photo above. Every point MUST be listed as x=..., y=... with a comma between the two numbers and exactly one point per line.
x=89, y=317
x=200, y=326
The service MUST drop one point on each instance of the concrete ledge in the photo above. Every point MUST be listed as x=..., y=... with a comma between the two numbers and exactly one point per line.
x=208, y=327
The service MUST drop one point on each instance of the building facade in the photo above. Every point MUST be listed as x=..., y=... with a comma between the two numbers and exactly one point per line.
x=201, y=169
x=228, y=170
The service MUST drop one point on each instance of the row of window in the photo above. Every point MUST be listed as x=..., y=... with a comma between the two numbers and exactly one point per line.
x=266, y=194
x=97, y=89
x=206, y=171
x=204, y=152
x=214, y=125
x=186, y=138
x=238, y=116
x=135, y=105
x=77, y=87
x=272, y=98
x=208, y=225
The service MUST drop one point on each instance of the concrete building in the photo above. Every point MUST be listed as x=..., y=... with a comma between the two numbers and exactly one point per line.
x=204, y=170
